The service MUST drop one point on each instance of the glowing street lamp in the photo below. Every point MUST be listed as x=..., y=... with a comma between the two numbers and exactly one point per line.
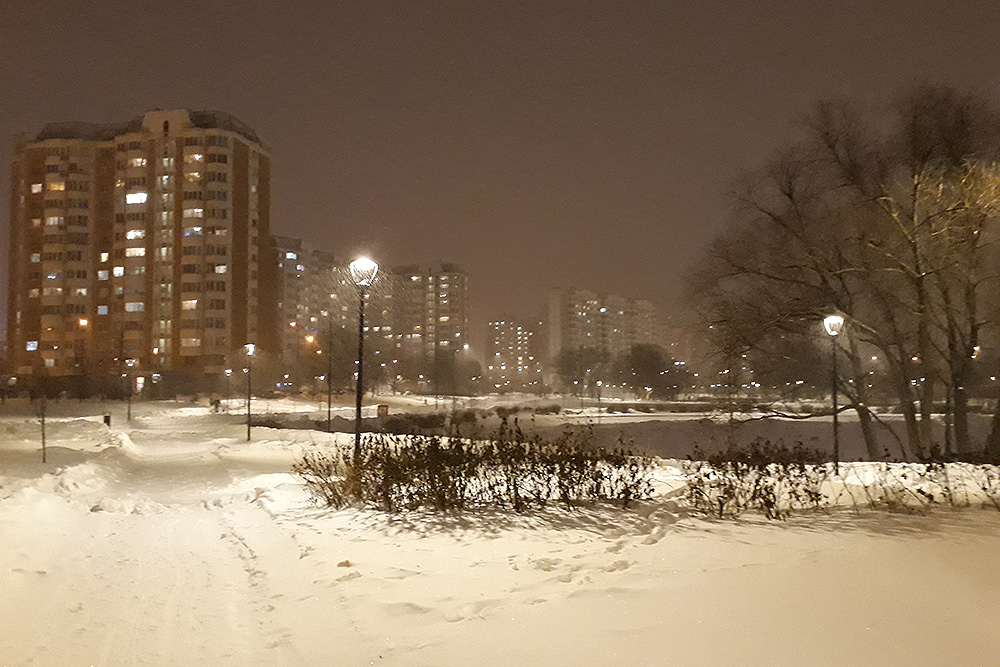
x=129, y=363
x=363, y=272
x=833, y=325
x=249, y=347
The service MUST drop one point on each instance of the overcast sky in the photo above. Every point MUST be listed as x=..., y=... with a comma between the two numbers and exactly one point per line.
x=539, y=144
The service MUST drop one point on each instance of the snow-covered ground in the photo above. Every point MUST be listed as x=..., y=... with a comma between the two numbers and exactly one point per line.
x=173, y=541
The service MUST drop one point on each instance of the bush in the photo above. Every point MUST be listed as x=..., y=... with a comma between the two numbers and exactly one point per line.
x=775, y=480
x=508, y=471
x=413, y=423
x=505, y=411
x=553, y=409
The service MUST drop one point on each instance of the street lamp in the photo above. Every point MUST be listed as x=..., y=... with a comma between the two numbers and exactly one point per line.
x=229, y=387
x=833, y=325
x=129, y=363
x=249, y=347
x=363, y=272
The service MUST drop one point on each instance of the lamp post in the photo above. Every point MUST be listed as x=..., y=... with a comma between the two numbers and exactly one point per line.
x=229, y=376
x=84, y=323
x=129, y=363
x=833, y=325
x=329, y=378
x=363, y=272
x=249, y=347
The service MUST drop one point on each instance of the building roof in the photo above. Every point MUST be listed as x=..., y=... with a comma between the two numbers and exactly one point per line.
x=206, y=119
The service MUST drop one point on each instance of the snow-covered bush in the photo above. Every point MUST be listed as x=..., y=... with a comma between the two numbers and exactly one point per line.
x=775, y=481
x=509, y=471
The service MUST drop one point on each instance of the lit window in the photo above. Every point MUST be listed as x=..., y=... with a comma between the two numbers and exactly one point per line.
x=118, y=271
x=194, y=213
x=53, y=220
x=135, y=198
x=220, y=268
x=190, y=342
x=137, y=162
x=33, y=293
x=36, y=222
x=133, y=234
x=57, y=186
x=50, y=363
x=31, y=345
x=52, y=275
x=36, y=257
x=79, y=291
x=300, y=267
x=135, y=252
x=102, y=310
x=193, y=157
x=189, y=304
x=36, y=188
x=443, y=318
x=134, y=306
x=102, y=274
x=104, y=257
x=192, y=231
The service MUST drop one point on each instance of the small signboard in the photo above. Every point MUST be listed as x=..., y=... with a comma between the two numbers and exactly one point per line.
x=383, y=411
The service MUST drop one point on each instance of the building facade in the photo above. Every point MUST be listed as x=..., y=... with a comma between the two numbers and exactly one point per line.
x=581, y=318
x=512, y=362
x=428, y=310
x=145, y=241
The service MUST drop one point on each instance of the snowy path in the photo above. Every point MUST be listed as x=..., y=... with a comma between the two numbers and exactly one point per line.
x=176, y=543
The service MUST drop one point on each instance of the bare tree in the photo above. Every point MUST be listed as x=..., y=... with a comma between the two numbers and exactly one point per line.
x=887, y=220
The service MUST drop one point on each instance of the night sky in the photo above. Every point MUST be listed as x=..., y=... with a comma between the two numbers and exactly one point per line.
x=539, y=144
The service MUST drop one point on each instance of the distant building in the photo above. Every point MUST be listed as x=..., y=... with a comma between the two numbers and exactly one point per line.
x=512, y=362
x=581, y=318
x=145, y=240
x=429, y=308
x=314, y=293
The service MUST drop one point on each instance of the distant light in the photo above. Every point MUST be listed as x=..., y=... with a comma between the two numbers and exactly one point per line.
x=84, y=321
x=250, y=347
x=135, y=198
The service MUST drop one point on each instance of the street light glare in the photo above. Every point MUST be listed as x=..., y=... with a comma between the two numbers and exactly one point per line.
x=363, y=271
x=833, y=324
x=250, y=347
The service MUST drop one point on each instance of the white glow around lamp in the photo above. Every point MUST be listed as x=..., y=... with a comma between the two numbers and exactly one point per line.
x=833, y=324
x=363, y=271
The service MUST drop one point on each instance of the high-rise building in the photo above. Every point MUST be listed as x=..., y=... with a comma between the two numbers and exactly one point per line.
x=146, y=240
x=512, y=362
x=428, y=310
x=581, y=318
x=315, y=293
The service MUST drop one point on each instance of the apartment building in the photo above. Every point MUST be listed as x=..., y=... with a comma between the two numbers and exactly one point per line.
x=582, y=318
x=145, y=241
x=512, y=362
x=428, y=309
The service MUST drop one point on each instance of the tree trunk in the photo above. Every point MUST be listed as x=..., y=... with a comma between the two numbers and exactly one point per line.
x=993, y=441
x=960, y=408
x=861, y=403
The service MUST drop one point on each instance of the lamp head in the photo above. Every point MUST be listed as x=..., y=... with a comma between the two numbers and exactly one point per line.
x=363, y=271
x=250, y=347
x=833, y=324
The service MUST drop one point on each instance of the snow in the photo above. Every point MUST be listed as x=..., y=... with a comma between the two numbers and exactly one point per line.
x=173, y=541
